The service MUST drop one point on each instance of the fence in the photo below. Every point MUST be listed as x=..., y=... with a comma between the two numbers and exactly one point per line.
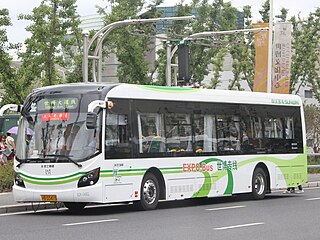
x=316, y=159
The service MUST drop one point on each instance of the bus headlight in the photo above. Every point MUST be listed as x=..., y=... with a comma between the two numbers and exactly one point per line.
x=90, y=178
x=18, y=180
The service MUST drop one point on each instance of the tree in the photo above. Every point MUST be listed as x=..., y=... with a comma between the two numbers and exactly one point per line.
x=264, y=12
x=215, y=16
x=312, y=119
x=129, y=48
x=55, y=33
x=283, y=15
x=13, y=90
x=305, y=58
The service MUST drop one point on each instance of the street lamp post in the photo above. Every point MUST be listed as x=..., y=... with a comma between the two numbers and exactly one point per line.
x=102, y=34
x=270, y=47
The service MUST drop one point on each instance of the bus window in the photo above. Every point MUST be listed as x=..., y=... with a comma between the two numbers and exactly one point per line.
x=178, y=132
x=273, y=128
x=289, y=128
x=117, y=136
x=204, y=133
x=228, y=130
x=151, y=133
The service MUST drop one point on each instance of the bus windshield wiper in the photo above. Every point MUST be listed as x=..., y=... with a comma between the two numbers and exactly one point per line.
x=27, y=160
x=66, y=157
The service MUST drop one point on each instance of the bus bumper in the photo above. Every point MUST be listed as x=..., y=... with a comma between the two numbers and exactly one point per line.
x=85, y=194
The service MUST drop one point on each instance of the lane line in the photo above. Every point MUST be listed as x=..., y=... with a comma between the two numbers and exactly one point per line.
x=91, y=222
x=313, y=199
x=225, y=208
x=239, y=226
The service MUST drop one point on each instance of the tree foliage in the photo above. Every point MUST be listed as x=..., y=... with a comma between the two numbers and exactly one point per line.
x=312, y=119
x=8, y=77
x=55, y=39
x=205, y=55
x=130, y=44
x=306, y=52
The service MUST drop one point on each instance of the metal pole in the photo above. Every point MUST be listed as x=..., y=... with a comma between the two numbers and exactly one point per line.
x=85, y=57
x=269, y=80
x=107, y=29
x=100, y=62
x=168, y=67
x=175, y=72
x=207, y=34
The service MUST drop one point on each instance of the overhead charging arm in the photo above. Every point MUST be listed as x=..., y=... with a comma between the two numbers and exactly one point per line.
x=12, y=107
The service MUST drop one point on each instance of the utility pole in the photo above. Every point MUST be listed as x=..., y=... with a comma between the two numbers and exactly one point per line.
x=270, y=47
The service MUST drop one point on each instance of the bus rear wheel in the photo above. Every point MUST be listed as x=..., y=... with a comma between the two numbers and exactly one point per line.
x=75, y=206
x=149, y=192
x=259, y=184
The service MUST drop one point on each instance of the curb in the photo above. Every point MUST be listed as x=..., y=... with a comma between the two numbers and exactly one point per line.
x=28, y=207
x=311, y=184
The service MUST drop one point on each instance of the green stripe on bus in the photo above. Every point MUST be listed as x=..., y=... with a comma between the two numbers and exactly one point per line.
x=51, y=183
x=50, y=179
x=170, y=89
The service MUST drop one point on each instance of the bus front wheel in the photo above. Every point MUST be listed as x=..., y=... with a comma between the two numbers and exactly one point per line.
x=149, y=192
x=75, y=206
x=259, y=184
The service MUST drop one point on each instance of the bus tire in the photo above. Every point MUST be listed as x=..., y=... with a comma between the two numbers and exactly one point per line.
x=75, y=206
x=259, y=184
x=149, y=192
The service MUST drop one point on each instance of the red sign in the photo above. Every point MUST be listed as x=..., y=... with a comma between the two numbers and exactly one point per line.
x=55, y=116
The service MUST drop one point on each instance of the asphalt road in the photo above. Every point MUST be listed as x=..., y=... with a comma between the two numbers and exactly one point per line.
x=279, y=216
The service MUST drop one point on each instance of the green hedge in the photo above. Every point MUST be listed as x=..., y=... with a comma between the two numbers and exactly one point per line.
x=6, y=176
x=314, y=161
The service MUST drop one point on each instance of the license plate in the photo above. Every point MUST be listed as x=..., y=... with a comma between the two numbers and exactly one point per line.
x=49, y=198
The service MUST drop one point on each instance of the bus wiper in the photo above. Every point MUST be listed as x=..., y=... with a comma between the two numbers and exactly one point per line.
x=66, y=157
x=27, y=160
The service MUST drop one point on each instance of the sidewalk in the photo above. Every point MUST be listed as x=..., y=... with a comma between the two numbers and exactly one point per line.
x=8, y=205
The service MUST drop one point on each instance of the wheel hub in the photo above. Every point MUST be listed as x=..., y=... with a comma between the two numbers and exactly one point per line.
x=149, y=192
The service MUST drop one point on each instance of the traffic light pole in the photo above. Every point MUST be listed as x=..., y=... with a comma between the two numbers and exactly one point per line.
x=200, y=35
x=100, y=36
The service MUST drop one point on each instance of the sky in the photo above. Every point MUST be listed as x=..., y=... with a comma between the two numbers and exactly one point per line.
x=17, y=33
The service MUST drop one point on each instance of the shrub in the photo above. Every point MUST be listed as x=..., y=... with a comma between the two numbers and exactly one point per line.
x=314, y=160
x=6, y=176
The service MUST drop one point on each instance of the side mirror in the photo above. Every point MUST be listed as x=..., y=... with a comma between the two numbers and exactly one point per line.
x=91, y=121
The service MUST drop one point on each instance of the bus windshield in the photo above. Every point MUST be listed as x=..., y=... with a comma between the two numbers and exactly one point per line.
x=54, y=128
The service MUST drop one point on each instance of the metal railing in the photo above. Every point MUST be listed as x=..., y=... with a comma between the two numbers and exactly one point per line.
x=314, y=155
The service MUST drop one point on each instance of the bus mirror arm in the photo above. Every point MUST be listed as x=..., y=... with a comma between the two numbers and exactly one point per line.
x=91, y=121
x=12, y=107
x=96, y=103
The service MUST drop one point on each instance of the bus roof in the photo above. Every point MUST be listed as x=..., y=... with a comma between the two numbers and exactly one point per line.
x=150, y=92
x=201, y=95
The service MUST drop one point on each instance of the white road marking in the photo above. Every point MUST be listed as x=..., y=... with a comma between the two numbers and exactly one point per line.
x=91, y=222
x=312, y=199
x=225, y=208
x=239, y=226
x=4, y=193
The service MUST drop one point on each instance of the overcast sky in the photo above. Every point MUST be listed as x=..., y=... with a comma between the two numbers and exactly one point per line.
x=17, y=33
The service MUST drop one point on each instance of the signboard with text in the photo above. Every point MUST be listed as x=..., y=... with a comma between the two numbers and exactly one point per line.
x=281, y=58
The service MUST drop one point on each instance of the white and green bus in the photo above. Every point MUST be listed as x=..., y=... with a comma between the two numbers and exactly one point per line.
x=109, y=143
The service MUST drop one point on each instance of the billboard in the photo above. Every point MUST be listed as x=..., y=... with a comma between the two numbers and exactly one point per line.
x=281, y=58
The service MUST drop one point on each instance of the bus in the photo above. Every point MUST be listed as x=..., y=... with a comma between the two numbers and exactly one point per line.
x=8, y=121
x=111, y=143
